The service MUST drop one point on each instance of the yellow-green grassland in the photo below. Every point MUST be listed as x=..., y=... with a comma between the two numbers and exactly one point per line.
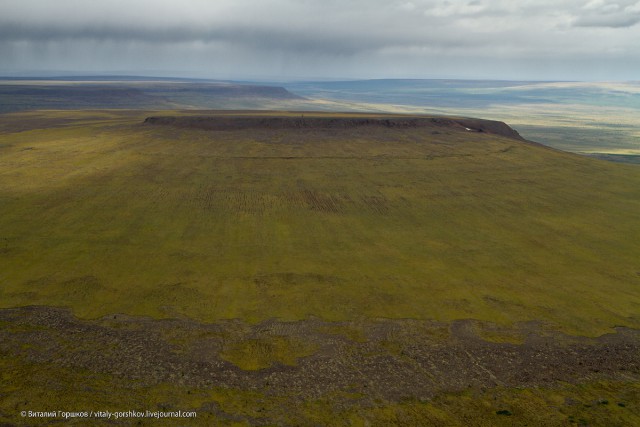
x=286, y=246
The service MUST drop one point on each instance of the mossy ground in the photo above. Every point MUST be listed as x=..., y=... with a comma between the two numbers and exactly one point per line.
x=43, y=389
x=105, y=215
x=254, y=354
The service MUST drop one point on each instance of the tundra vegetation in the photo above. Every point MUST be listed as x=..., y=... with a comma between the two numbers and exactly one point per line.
x=314, y=269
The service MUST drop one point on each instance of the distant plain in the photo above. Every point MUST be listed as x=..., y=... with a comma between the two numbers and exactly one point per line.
x=581, y=117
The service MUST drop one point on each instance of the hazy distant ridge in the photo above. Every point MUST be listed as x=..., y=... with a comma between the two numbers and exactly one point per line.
x=66, y=95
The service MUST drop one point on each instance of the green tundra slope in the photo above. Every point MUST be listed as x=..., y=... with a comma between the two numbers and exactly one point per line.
x=103, y=213
x=260, y=269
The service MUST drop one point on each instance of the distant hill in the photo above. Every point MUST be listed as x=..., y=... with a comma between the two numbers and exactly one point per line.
x=67, y=94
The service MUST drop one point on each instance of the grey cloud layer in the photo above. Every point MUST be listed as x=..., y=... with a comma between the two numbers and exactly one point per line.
x=317, y=26
x=612, y=14
x=370, y=30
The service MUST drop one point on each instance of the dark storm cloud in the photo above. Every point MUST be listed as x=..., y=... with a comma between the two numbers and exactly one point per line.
x=345, y=42
x=324, y=27
x=357, y=37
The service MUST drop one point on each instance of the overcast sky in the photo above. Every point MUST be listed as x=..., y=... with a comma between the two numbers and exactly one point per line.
x=297, y=39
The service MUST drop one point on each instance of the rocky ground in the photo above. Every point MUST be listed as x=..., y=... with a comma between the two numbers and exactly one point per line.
x=376, y=360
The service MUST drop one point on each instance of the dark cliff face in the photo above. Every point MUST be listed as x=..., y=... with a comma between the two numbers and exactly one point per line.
x=224, y=123
x=490, y=126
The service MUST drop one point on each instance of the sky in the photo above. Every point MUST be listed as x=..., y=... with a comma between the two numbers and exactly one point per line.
x=324, y=39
